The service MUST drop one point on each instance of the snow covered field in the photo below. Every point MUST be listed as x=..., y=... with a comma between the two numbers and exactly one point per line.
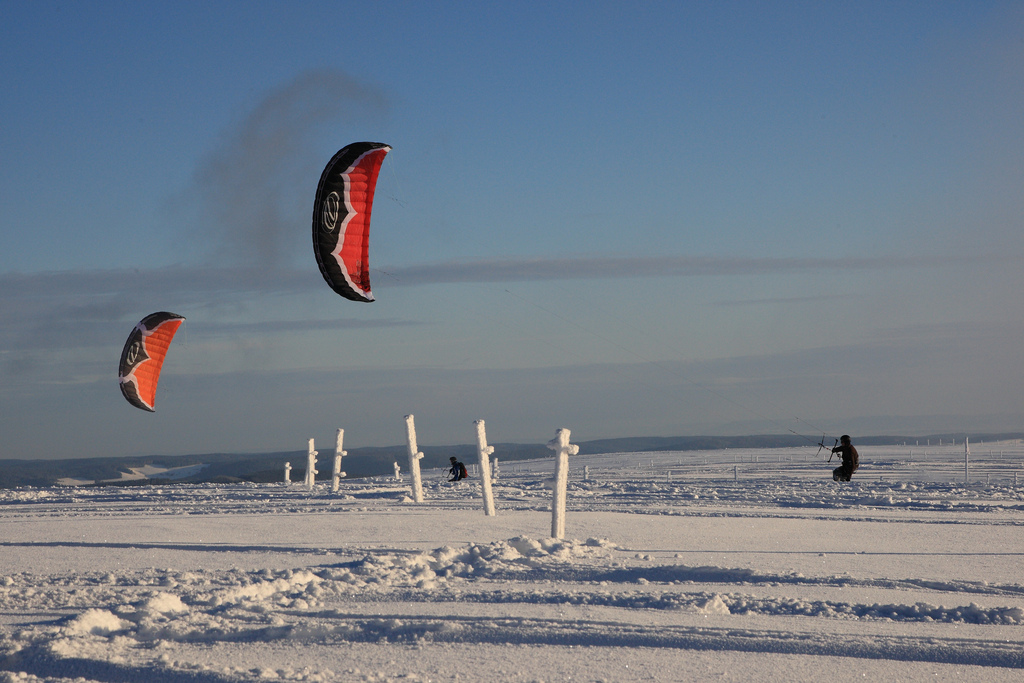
x=730, y=565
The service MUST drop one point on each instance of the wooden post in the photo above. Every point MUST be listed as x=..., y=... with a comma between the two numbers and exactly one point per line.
x=483, y=452
x=967, y=458
x=287, y=473
x=338, y=452
x=414, y=459
x=311, y=466
x=563, y=449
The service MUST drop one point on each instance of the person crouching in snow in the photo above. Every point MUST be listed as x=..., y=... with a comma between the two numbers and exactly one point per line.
x=851, y=459
x=458, y=470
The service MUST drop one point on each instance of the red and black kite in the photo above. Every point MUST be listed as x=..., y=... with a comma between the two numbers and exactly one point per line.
x=143, y=357
x=341, y=218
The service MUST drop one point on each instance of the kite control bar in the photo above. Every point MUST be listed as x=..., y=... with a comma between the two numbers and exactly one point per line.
x=821, y=444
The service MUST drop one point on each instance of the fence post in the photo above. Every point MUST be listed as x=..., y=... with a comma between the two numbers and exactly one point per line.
x=338, y=452
x=414, y=459
x=483, y=452
x=563, y=449
x=287, y=473
x=967, y=457
x=311, y=471
x=398, y=472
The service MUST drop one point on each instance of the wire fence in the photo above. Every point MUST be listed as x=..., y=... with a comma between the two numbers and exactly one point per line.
x=997, y=463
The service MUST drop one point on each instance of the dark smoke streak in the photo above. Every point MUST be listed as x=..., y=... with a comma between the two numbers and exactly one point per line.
x=253, y=190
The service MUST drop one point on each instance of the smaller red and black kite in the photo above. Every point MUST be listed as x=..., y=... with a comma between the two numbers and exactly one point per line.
x=143, y=357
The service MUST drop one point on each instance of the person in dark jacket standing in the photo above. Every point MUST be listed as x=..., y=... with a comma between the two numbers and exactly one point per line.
x=851, y=459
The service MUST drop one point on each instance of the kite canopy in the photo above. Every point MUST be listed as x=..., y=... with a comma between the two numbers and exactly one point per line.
x=341, y=218
x=143, y=357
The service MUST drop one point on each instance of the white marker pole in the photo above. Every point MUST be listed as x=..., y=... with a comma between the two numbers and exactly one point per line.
x=338, y=452
x=414, y=459
x=967, y=457
x=311, y=466
x=563, y=449
x=287, y=473
x=484, y=453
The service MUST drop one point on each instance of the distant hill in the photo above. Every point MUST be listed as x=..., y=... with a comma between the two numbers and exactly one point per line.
x=373, y=461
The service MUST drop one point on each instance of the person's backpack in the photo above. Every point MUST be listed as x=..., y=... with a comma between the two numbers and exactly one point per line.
x=463, y=474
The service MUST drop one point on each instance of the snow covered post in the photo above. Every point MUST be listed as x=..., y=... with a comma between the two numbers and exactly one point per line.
x=967, y=457
x=495, y=469
x=398, y=472
x=287, y=473
x=338, y=452
x=563, y=449
x=484, y=451
x=414, y=459
x=311, y=466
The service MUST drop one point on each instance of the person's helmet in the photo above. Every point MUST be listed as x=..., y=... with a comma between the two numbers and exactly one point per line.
x=453, y=457
x=844, y=438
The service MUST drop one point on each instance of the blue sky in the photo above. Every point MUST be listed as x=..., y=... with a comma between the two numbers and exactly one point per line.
x=622, y=218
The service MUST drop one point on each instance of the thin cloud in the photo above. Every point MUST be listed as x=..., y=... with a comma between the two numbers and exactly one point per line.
x=171, y=280
x=781, y=300
x=589, y=268
x=295, y=326
x=41, y=312
x=89, y=301
x=202, y=283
